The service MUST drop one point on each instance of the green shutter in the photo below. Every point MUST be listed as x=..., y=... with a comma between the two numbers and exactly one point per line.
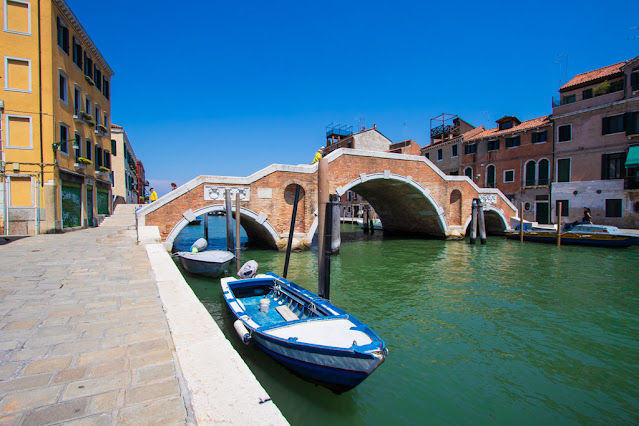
x=563, y=170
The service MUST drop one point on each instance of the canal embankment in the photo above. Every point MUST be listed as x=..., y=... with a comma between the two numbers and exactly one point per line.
x=98, y=329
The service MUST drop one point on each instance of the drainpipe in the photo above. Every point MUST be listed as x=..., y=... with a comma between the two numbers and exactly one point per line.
x=40, y=94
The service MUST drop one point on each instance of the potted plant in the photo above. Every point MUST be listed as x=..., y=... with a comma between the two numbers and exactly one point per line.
x=83, y=160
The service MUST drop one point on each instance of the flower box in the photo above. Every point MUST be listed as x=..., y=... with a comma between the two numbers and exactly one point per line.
x=83, y=160
x=104, y=169
x=90, y=80
x=102, y=128
x=86, y=116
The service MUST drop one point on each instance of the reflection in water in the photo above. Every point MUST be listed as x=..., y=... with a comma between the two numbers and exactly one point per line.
x=502, y=333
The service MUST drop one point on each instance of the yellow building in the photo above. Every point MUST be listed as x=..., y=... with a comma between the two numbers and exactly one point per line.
x=55, y=114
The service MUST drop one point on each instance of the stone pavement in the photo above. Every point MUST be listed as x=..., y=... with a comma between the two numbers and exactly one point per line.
x=83, y=335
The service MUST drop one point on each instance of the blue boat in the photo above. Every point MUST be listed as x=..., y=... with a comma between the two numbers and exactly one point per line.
x=305, y=333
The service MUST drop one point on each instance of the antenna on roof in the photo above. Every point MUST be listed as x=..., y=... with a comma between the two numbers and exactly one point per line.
x=361, y=123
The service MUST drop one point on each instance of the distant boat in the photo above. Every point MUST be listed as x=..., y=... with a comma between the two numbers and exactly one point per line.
x=377, y=224
x=211, y=263
x=305, y=333
x=196, y=221
x=580, y=233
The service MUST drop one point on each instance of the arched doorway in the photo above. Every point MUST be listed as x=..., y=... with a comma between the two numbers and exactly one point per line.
x=455, y=216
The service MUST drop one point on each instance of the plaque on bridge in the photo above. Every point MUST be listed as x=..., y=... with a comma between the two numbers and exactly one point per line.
x=216, y=193
x=488, y=198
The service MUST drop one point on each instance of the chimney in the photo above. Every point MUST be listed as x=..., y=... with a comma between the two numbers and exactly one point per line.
x=375, y=126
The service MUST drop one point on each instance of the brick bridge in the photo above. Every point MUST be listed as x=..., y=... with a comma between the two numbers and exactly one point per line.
x=408, y=193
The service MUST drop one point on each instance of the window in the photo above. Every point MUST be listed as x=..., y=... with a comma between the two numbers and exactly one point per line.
x=563, y=170
x=440, y=154
x=509, y=176
x=88, y=67
x=565, y=207
x=540, y=137
x=493, y=145
x=564, y=133
x=98, y=113
x=97, y=77
x=77, y=53
x=544, y=172
x=427, y=155
x=613, y=166
x=77, y=145
x=568, y=99
x=89, y=148
x=62, y=90
x=105, y=122
x=64, y=138
x=468, y=172
x=470, y=148
x=454, y=151
x=612, y=125
x=98, y=156
x=106, y=89
x=63, y=35
x=634, y=79
x=17, y=74
x=87, y=105
x=505, y=125
x=19, y=133
x=107, y=159
x=513, y=141
x=490, y=176
x=114, y=147
x=613, y=207
x=354, y=195
x=20, y=190
x=632, y=123
x=587, y=94
x=531, y=171
x=77, y=100
x=17, y=17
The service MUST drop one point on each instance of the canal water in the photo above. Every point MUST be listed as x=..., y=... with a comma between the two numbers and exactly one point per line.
x=498, y=334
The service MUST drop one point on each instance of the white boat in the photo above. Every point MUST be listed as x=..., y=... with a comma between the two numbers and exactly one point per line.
x=211, y=263
x=377, y=224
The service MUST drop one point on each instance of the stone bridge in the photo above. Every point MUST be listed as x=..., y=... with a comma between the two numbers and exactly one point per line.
x=409, y=194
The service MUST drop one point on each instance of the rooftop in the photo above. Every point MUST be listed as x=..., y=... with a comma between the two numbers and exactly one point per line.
x=593, y=75
x=524, y=125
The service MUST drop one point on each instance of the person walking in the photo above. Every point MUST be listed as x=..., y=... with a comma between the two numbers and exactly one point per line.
x=318, y=155
x=154, y=195
x=173, y=186
x=587, y=216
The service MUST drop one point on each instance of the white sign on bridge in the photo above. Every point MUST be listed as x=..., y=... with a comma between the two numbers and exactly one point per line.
x=488, y=198
x=216, y=193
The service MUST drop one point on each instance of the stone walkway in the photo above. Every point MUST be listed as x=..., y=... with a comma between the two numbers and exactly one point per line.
x=83, y=335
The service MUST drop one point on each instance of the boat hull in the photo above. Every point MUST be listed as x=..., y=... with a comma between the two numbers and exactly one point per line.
x=599, y=240
x=202, y=267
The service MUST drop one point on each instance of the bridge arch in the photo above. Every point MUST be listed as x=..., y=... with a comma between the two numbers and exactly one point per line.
x=496, y=222
x=401, y=203
x=256, y=226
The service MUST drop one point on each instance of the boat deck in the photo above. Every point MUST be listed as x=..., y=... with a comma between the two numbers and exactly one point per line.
x=272, y=317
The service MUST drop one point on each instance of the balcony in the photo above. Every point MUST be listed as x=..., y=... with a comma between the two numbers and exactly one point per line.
x=559, y=108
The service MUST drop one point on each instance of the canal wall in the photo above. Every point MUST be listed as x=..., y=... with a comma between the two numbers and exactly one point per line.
x=222, y=388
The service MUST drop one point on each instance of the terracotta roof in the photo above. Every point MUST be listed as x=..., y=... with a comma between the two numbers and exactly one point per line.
x=115, y=126
x=525, y=125
x=594, y=75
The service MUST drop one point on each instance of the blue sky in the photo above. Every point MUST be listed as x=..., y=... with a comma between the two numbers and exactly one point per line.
x=227, y=88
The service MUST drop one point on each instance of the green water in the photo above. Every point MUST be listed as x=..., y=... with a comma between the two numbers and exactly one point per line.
x=497, y=334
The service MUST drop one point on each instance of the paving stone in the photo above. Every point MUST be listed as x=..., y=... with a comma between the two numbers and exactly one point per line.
x=153, y=391
x=11, y=344
x=20, y=325
x=100, y=356
x=146, y=335
x=162, y=412
x=142, y=348
x=75, y=347
x=151, y=359
x=29, y=399
x=21, y=383
x=70, y=375
x=57, y=413
x=106, y=402
x=109, y=368
x=95, y=386
x=154, y=373
x=101, y=325
x=29, y=354
x=47, y=365
x=50, y=340
x=8, y=370
x=58, y=330
x=103, y=419
x=55, y=321
x=68, y=313
x=10, y=420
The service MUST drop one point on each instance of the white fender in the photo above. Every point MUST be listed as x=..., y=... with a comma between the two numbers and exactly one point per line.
x=242, y=332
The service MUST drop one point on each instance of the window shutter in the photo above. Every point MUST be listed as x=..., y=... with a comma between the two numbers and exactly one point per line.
x=604, y=167
x=627, y=123
x=605, y=126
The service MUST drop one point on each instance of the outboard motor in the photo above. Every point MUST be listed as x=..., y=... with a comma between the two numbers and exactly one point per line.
x=200, y=245
x=248, y=270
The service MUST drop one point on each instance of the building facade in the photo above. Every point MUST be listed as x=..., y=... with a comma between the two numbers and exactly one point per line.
x=407, y=147
x=56, y=109
x=369, y=140
x=596, y=123
x=446, y=141
x=125, y=181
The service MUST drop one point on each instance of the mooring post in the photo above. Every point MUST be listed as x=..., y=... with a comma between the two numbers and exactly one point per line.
x=365, y=219
x=473, y=222
x=482, y=222
x=237, y=233
x=229, y=223
x=521, y=221
x=336, y=239
x=324, y=290
x=205, y=218
x=558, y=224
x=322, y=201
x=289, y=244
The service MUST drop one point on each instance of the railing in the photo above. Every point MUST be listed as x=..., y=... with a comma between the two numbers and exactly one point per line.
x=444, y=129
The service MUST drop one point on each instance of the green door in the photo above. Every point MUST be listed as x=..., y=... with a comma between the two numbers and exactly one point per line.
x=103, y=202
x=71, y=205
x=90, y=206
x=542, y=213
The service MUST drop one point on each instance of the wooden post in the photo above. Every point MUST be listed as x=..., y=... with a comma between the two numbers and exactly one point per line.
x=289, y=244
x=521, y=221
x=558, y=224
x=238, y=253
x=324, y=290
x=229, y=223
x=322, y=201
x=365, y=220
x=473, y=222
x=335, y=233
x=205, y=218
x=481, y=222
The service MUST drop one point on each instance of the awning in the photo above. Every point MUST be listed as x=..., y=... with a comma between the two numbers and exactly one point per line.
x=632, y=160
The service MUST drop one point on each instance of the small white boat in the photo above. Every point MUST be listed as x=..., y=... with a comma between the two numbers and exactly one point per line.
x=211, y=263
x=377, y=224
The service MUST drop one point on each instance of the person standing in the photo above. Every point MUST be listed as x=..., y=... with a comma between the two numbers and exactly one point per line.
x=173, y=186
x=154, y=195
x=587, y=216
x=318, y=155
